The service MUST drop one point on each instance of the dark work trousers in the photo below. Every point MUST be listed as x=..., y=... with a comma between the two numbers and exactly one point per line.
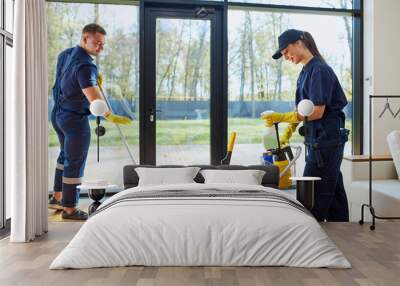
x=73, y=133
x=330, y=196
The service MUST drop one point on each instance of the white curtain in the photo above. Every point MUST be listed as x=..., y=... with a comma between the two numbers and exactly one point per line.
x=27, y=114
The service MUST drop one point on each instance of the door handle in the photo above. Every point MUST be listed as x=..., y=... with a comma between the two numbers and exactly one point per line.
x=153, y=114
x=203, y=12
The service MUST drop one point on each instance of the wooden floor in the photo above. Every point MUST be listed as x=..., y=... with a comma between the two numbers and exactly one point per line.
x=375, y=257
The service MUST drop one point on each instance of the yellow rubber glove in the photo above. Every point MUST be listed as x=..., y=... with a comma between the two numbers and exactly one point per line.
x=100, y=81
x=117, y=119
x=276, y=117
x=287, y=133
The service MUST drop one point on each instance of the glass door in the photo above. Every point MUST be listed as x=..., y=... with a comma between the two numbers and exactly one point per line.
x=182, y=91
x=183, y=118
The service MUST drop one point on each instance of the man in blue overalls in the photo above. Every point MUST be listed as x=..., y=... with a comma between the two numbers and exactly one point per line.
x=74, y=89
x=326, y=134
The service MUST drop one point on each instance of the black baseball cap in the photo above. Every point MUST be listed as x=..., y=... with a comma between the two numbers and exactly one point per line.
x=288, y=37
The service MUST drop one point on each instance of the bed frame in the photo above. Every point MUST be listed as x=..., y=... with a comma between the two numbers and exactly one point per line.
x=270, y=179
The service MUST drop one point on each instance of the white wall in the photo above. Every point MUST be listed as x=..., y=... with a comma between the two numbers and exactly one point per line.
x=381, y=68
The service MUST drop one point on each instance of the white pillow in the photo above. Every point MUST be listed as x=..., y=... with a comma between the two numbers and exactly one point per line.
x=393, y=140
x=248, y=177
x=166, y=176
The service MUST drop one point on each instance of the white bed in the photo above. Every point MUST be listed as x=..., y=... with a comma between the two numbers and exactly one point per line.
x=207, y=230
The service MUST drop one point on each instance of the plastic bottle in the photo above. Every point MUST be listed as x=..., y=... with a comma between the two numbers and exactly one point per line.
x=268, y=132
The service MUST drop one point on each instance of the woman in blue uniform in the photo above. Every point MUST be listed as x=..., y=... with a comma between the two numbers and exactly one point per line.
x=326, y=134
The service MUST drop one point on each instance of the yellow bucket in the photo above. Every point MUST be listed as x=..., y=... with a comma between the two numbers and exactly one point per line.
x=284, y=181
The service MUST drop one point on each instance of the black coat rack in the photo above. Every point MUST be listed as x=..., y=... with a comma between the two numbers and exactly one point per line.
x=370, y=205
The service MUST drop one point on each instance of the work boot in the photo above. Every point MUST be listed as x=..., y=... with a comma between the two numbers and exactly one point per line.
x=77, y=214
x=54, y=204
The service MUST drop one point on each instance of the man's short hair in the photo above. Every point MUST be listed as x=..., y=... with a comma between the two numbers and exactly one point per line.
x=93, y=28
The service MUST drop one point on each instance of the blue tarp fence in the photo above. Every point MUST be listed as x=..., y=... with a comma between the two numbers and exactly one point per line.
x=200, y=109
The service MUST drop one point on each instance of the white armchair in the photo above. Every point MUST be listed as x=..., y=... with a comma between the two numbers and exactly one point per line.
x=385, y=186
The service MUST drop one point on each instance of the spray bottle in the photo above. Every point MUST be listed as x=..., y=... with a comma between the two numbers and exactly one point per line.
x=267, y=158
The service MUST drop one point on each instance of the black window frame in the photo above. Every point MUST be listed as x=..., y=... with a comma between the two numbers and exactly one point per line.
x=218, y=104
x=356, y=12
x=357, y=54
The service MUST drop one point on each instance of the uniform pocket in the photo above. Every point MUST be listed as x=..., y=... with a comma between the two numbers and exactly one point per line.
x=311, y=156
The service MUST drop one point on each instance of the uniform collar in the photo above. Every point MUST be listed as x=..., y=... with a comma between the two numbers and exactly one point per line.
x=83, y=53
x=310, y=64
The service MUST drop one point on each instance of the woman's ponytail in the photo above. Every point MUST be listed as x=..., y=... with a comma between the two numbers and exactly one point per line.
x=309, y=42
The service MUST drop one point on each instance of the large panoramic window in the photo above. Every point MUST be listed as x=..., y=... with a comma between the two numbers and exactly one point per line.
x=8, y=70
x=258, y=83
x=119, y=65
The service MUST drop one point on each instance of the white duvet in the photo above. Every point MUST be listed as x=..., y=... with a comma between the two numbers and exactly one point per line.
x=200, y=231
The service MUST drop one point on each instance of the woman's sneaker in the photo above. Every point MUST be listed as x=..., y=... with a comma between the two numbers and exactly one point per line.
x=54, y=204
x=77, y=214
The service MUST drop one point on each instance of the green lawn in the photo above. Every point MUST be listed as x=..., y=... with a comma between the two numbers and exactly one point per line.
x=111, y=138
x=185, y=132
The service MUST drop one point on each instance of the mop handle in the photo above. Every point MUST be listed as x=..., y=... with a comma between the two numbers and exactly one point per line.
x=277, y=135
x=98, y=137
x=305, y=137
x=231, y=142
x=118, y=127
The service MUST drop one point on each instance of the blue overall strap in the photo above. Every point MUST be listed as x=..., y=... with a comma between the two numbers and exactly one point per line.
x=67, y=65
x=65, y=62
x=56, y=86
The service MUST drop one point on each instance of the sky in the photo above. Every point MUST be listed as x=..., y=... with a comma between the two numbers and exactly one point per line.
x=328, y=31
x=113, y=17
